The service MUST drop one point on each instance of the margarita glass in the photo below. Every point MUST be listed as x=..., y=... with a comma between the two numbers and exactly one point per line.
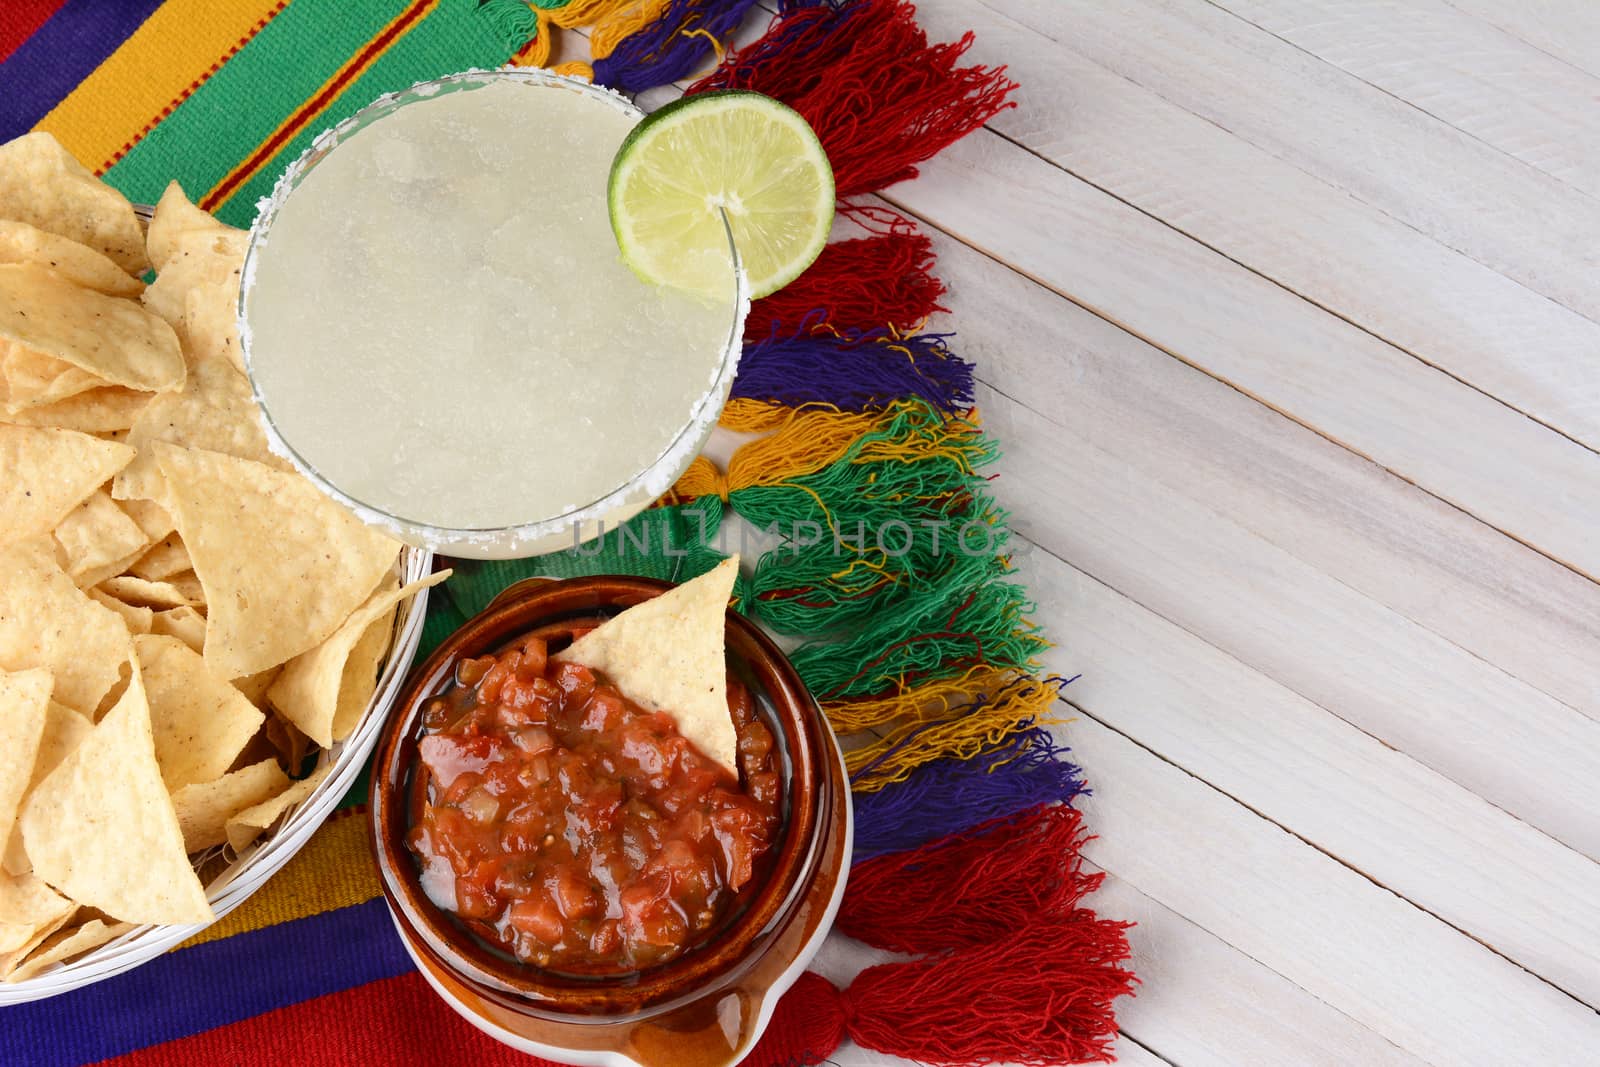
x=441, y=334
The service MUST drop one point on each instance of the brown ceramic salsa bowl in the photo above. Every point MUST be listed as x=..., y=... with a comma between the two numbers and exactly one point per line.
x=706, y=1007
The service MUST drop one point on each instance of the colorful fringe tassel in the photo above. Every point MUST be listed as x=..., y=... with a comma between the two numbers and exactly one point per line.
x=1022, y=976
x=857, y=371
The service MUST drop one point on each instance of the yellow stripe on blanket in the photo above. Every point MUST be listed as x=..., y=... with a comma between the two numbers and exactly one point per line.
x=180, y=45
x=334, y=870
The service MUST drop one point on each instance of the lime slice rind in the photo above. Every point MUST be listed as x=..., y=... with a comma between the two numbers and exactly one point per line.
x=733, y=152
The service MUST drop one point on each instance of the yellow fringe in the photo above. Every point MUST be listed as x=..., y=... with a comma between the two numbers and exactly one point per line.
x=585, y=12
x=803, y=440
x=753, y=416
x=536, y=53
x=609, y=32
x=703, y=478
x=933, y=713
x=575, y=68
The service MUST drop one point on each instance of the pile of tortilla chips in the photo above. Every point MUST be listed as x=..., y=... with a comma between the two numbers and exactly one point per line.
x=182, y=617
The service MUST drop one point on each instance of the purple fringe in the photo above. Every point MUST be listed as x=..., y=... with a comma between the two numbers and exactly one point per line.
x=663, y=52
x=857, y=371
x=948, y=796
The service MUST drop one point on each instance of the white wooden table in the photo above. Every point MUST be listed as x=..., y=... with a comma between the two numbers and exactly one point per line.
x=1287, y=313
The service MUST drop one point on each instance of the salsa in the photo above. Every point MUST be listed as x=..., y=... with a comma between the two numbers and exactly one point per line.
x=577, y=830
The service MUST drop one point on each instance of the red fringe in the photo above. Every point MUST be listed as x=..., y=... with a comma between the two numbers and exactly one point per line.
x=865, y=283
x=944, y=894
x=878, y=95
x=1012, y=970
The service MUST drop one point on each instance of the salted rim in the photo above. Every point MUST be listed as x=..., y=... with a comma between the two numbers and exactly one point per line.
x=650, y=482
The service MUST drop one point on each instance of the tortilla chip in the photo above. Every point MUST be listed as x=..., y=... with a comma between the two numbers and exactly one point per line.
x=42, y=185
x=157, y=595
x=285, y=738
x=91, y=578
x=46, y=621
x=211, y=323
x=185, y=623
x=325, y=691
x=66, y=944
x=215, y=411
x=282, y=565
x=198, y=262
x=47, y=473
x=359, y=679
x=188, y=586
x=24, y=711
x=115, y=340
x=101, y=410
x=248, y=824
x=97, y=533
x=667, y=654
x=63, y=729
x=33, y=379
x=163, y=561
x=153, y=519
x=255, y=686
x=30, y=911
x=104, y=806
x=78, y=264
x=199, y=722
x=205, y=807
x=138, y=619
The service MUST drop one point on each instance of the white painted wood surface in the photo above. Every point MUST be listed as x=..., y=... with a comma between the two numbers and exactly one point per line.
x=1288, y=317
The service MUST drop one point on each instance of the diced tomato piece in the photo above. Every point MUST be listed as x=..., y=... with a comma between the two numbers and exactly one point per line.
x=526, y=702
x=475, y=897
x=531, y=667
x=604, y=711
x=469, y=672
x=574, y=896
x=762, y=787
x=648, y=916
x=525, y=828
x=575, y=680
x=449, y=755
x=489, y=687
x=537, y=917
x=517, y=880
x=607, y=939
x=755, y=741
x=733, y=826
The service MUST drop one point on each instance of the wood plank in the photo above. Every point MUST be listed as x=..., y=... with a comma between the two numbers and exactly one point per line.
x=1203, y=1003
x=1461, y=70
x=1369, y=806
x=1355, y=946
x=1476, y=725
x=1318, y=241
x=1374, y=399
x=1566, y=29
x=1336, y=511
x=1466, y=194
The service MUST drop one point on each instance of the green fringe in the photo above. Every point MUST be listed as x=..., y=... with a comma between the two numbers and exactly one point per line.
x=513, y=21
x=931, y=634
x=816, y=589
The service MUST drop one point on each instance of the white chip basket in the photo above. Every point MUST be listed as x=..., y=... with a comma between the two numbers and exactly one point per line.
x=263, y=858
